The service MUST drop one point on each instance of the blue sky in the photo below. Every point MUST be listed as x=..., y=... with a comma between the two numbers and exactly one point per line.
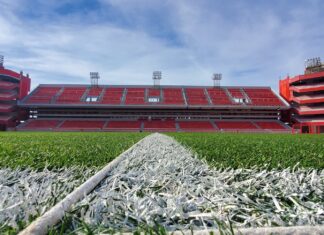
x=250, y=42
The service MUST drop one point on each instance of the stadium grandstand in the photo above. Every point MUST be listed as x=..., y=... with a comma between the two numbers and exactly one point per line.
x=154, y=108
x=305, y=93
x=164, y=108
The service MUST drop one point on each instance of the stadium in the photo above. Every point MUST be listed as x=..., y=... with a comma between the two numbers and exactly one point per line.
x=161, y=117
x=160, y=108
x=90, y=159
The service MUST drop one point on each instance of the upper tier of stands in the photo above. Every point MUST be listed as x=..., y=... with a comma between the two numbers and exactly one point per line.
x=263, y=97
x=196, y=96
x=71, y=95
x=43, y=95
x=219, y=96
x=173, y=96
x=95, y=91
x=112, y=96
x=148, y=96
x=154, y=92
x=236, y=93
x=135, y=96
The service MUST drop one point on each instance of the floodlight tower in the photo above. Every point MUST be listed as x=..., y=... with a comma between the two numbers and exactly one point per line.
x=313, y=62
x=1, y=61
x=94, y=77
x=217, y=77
x=157, y=76
x=313, y=65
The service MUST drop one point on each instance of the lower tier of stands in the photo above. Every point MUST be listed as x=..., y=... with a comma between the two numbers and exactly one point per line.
x=194, y=126
x=77, y=124
x=4, y=119
x=39, y=124
x=159, y=125
x=125, y=125
x=236, y=125
x=155, y=125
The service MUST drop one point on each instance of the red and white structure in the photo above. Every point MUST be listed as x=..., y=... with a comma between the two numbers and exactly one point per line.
x=13, y=87
x=305, y=93
x=153, y=108
x=94, y=107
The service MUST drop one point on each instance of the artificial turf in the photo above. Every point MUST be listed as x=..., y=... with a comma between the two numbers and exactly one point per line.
x=238, y=150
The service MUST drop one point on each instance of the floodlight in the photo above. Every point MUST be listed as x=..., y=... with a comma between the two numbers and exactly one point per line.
x=1, y=60
x=94, y=76
x=217, y=77
x=157, y=76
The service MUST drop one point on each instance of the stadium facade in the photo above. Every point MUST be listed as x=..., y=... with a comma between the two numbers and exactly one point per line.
x=305, y=94
x=13, y=87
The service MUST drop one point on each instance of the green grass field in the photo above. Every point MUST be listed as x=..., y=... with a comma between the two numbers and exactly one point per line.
x=55, y=150
x=52, y=149
x=247, y=150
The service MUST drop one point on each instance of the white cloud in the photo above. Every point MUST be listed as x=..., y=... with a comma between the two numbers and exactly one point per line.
x=254, y=48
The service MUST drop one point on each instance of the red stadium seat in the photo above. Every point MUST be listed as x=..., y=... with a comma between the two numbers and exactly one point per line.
x=43, y=95
x=154, y=92
x=135, y=96
x=218, y=96
x=196, y=96
x=173, y=96
x=272, y=125
x=159, y=125
x=112, y=96
x=263, y=97
x=82, y=124
x=40, y=124
x=124, y=125
x=95, y=91
x=234, y=125
x=196, y=126
x=71, y=95
x=236, y=93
